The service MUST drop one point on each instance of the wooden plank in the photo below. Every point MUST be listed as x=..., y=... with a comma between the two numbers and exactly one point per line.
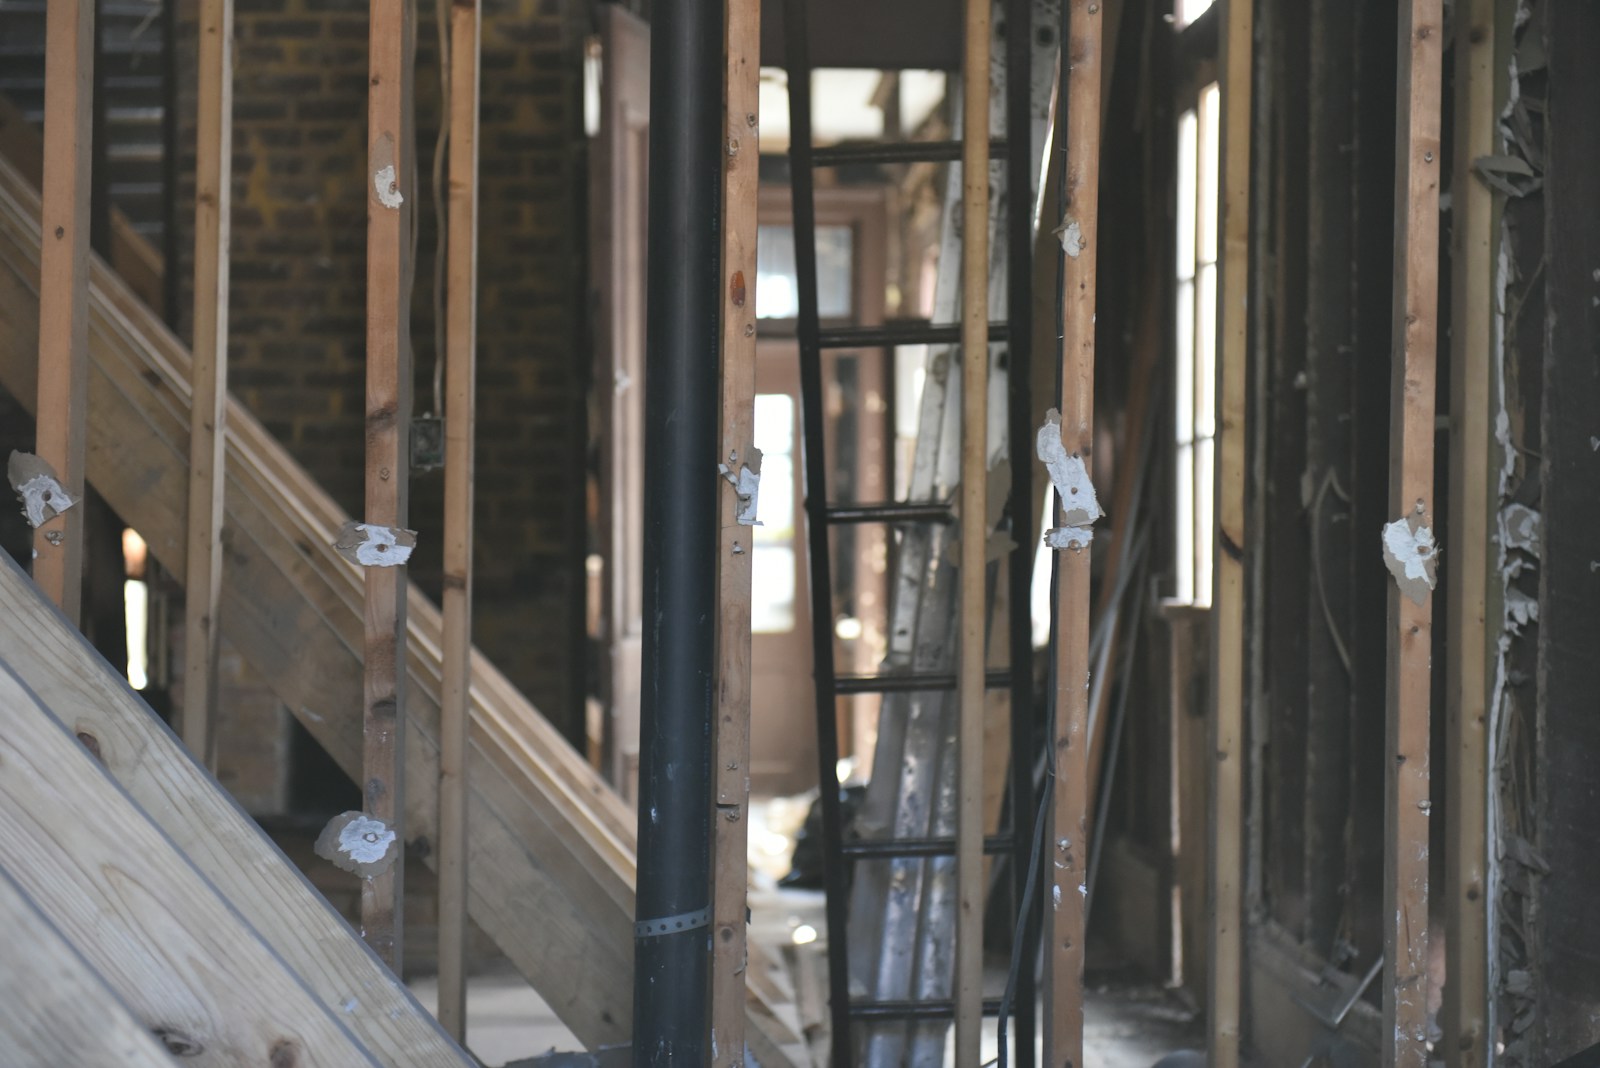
x=62, y=410
x=55, y=662
x=549, y=835
x=1415, y=339
x=974, y=544
x=1225, y=957
x=461, y=308
x=58, y=1010
x=208, y=374
x=1466, y=1010
x=113, y=884
x=1079, y=141
x=731, y=760
x=388, y=419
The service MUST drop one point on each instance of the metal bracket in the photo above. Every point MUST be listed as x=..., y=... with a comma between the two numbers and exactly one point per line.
x=684, y=921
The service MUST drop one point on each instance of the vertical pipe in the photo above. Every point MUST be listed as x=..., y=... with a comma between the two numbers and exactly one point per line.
x=1225, y=989
x=1019, y=418
x=1069, y=848
x=730, y=873
x=1407, y=538
x=671, y=968
x=460, y=413
x=974, y=529
x=208, y=374
x=1466, y=993
x=63, y=293
x=388, y=408
x=797, y=49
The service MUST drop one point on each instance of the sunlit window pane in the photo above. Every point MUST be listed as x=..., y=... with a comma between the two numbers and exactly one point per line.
x=1189, y=10
x=1210, y=145
x=1188, y=175
x=1183, y=377
x=777, y=292
x=1205, y=353
x=773, y=563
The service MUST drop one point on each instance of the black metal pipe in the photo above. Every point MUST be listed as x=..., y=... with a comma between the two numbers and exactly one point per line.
x=925, y=1009
x=892, y=512
x=797, y=48
x=912, y=682
x=671, y=970
x=1021, y=179
x=898, y=333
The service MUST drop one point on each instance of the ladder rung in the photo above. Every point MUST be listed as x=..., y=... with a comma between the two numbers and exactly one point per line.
x=896, y=848
x=902, y=333
x=921, y=1009
x=911, y=682
x=897, y=152
x=890, y=512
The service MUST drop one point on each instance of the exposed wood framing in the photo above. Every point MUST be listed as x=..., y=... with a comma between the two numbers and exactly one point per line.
x=974, y=540
x=57, y=664
x=63, y=293
x=1466, y=995
x=1415, y=338
x=1225, y=988
x=144, y=918
x=208, y=374
x=58, y=1010
x=390, y=189
x=1078, y=139
x=460, y=401
x=548, y=834
x=736, y=453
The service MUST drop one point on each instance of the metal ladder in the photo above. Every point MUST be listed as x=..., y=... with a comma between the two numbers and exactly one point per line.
x=903, y=886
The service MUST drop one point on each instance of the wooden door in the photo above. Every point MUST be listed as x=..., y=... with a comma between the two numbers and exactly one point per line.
x=619, y=165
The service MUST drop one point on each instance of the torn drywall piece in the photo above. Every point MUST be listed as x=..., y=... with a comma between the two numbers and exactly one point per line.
x=43, y=497
x=374, y=546
x=1522, y=528
x=1411, y=556
x=359, y=843
x=1520, y=610
x=385, y=179
x=746, y=484
x=1071, y=235
x=1074, y=538
x=1074, y=491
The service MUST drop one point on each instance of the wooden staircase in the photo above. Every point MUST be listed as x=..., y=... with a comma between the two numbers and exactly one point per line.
x=552, y=852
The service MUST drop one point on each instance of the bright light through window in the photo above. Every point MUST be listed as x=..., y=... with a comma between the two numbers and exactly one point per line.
x=1195, y=352
x=773, y=565
x=1186, y=11
x=136, y=608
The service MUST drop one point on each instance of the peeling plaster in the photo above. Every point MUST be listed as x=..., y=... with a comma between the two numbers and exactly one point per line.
x=1071, y=235
x=359, y=843
x=385, y=179
x=373, y=546
x=1074, y=490
x=43, y=497
x=746, y=484
x=1412, y=556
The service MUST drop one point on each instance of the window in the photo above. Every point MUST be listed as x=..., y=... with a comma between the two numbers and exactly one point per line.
x=1186, y=11
x=777, y=292
x=772, y=579
x=1195, y=349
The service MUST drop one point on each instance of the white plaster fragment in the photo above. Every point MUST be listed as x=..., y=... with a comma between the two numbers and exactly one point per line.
x=1522, y=528
x=1075, y=492
x=371, y=545
x=1520, y=609
x=1074, y=538
x=350, y=1005
x=1055, y=896
x=358, y=843
x=1071, y=236
x=747, y=485
x=43, y=497
x=387, y=187
x=1411, y=556
x=365, y=840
